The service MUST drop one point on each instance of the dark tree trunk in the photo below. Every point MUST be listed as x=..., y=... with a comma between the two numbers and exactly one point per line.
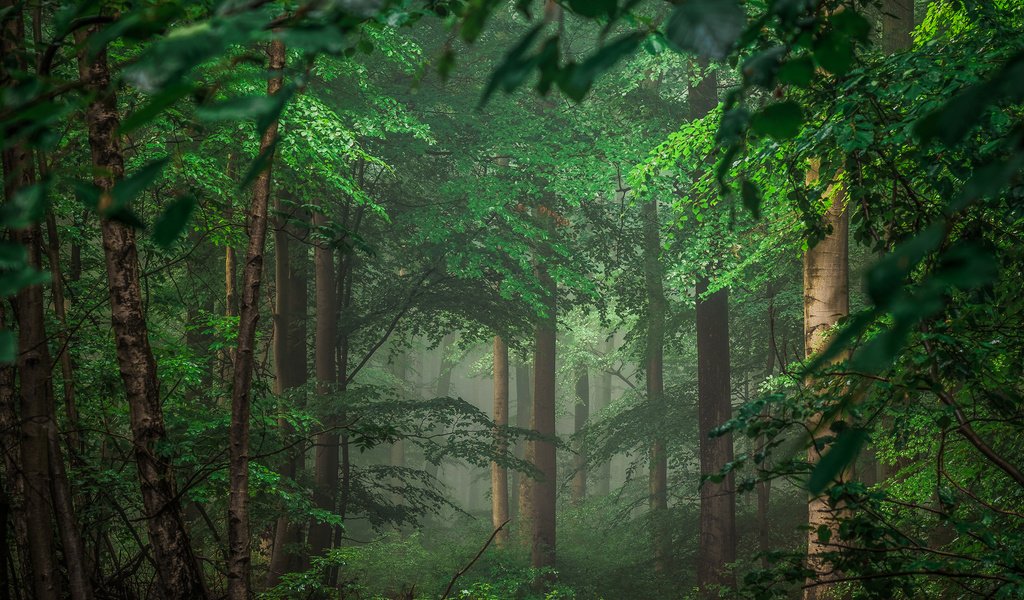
x=178, y=571
x=291, y=297
x=714, y=407
x=542, y=420
x=499, y=474
x=325, y=490
x=654, y=372
x=581, y=416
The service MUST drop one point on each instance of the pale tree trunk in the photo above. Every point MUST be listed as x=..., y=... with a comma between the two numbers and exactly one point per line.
x=325, y=490
x=763, y=485
x=542, y=419
x=826, y=301
x=290, y=367
x=580, y=417
x=654, y=375
x=521, y=483
x=499, y=474
x=178, y=572
x=239, y=546
x=604, y=470
x=717, y=538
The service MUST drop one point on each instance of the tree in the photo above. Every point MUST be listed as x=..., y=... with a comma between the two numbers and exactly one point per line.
x=499, y=474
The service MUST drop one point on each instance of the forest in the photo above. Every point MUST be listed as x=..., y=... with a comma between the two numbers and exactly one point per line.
x=511, y=299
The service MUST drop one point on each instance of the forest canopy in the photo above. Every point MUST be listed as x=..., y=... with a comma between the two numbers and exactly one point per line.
x=495, y=299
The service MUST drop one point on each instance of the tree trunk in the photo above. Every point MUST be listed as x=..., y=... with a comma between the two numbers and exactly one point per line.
x=826, y=300
x=897, y=24
x=717, y=545
x=717, y=549
x=290, y=367
x=763, y=485
x=604, y=470
x=239, y=547
x=582, y=414
x=521, y=483
x=654, y=373
x=60, y=309
x=499, y=474
x=14, y=481
x=542, y=420
x=178, y=571
x=325, y=490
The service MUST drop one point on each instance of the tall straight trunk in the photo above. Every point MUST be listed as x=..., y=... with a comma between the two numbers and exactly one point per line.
x=239, y=547
x=604, y=470
x=580, y=417
x=654, y=373
x=763, y=485
x=14, y=480
x=74, y=436
x=325, y=490
x=542, y=420
x=897, y=24
x=33, y=364
x=75, y=558
x=178, y=572
x=826, y=301
x=717, y=538
x=499, y=474
x=717, y=547
x=290, y=298
x=521, y=483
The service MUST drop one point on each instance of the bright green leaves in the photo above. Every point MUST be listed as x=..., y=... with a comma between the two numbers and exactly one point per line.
x=779, y=121
x=173, y=221
x=708, y=28
x=262, y=108
x=156, y=106
x=842, y=453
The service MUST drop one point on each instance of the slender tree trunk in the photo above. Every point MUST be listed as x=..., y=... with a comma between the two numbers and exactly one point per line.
x=60, y=308
x=521, y=483
x=717, y=547
x=499, y=474
x=763, y=484
x=75, y=558
x=581, y=416
x=542, y=420
x=826, y=300
x=239, y=547
x=290, y=367
x=604, y=470
x=325, y=491
x=654, y=372
x=178, y=571
x=14, y=480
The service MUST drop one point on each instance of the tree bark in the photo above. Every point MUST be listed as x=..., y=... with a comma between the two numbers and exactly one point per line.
x=499, y=474
x=717, y=539
x=717, y=549
x=826, y=300
x=325, y=490
x=542, y=419
x=580, y=417
x=604, y=470
x=897, y=24
x=290, y=367
x=654, y=375
x=178, y=571
x=239, y=547
x=521, y=483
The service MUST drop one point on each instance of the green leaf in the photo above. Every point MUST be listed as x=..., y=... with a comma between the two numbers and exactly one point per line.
x=581, y=78
x=593, y=8
x=834, y=52
x=842, y=453
x=173, y=221
x=851, y=24
x=707, y=27
x=886, y=278
x=157, y=105
x=780, y=121
x=12, y=255
x=752, y=198
x=131, y=187
x=761, y=68
x=8, y=347
x=798, y=71
x=515, y=68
